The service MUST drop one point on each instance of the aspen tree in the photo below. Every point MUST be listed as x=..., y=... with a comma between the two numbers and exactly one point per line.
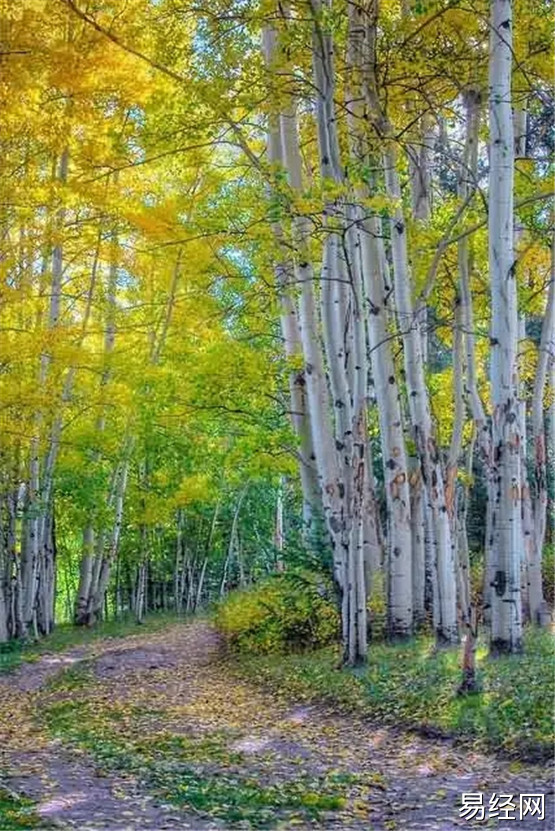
x=507, y=552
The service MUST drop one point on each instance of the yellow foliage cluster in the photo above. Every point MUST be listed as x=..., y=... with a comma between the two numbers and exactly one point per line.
x=291, y=611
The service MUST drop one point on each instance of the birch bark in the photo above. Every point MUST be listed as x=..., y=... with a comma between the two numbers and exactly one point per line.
x=446, y=628
x=506, y=622
x=546, y=359
x=335, y=438
x=419, y=406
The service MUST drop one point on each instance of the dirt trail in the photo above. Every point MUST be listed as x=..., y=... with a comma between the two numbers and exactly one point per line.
x=177, y=684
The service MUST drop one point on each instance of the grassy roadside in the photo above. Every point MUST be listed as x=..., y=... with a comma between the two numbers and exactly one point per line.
x=65, y=636
x=201, y=772
x=414, y=686
x=16, y=813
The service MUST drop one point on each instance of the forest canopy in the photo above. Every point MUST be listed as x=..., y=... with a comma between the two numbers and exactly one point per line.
x=277, y=296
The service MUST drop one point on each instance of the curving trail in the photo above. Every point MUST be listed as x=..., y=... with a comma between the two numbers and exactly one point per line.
x=175, y=688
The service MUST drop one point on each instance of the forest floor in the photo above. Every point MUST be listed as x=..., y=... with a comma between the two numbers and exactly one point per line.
x=160, y=731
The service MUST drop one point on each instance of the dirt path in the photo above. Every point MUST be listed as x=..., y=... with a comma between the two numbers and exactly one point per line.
x=189, y=725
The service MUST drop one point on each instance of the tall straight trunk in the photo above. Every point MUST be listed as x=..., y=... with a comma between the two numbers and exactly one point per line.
x=526, y=520
x=467, y=185
x=335, y=437
x=330, y=481
x=453, y=490
x=372, y=530
x=550, y=445
x=4, y=576
x=463, y=553
x=279, y=528
x=419, y=406
x=85, y=575
x=140, y=595
x=106, y=558
x=418, y=545
x=367, y=273
x=40, y=487
x=178, y=571
x=546, y=359
x=289, y=320
x=506, y=613
x=489, y=573
x=343, y=335
x=396, y=478
x=87, y=606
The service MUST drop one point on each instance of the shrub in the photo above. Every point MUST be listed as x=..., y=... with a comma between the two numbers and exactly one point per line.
x=291, y=611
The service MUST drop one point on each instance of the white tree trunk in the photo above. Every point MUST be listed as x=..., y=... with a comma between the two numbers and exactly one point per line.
x=85, y=575
x=446, y=629
x=546, y=358
x=506, y=622
x=396, y=479
x=335, y=439
x=300, y=415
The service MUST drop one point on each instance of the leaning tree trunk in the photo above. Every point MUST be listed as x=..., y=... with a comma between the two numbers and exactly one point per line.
x=290, y=327
x=506, y=613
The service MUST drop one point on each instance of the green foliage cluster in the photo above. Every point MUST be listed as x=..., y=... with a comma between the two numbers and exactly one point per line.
x=415, y=685
x=288, y=612
x=235, y=800
x=16, y=813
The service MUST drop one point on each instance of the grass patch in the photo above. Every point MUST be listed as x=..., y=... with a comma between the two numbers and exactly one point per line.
x=236, y=799
x=16, y=813
x=414, y=685
x=65, y=636
x=197, y=772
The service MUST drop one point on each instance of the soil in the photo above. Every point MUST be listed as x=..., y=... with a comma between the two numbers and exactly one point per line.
x=414, y=783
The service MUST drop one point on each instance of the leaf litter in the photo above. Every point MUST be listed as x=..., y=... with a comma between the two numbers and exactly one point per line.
x=161, y=732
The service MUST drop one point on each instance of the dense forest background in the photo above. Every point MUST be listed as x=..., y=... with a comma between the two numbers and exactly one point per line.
x=278, y=299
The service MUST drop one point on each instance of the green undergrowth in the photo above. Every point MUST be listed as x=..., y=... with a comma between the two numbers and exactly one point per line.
x=65, y=636
x=414, y=685
x=293, y=611
x=198, y=772
x=16, y=813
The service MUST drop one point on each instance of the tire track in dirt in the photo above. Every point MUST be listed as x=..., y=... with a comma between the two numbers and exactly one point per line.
x=180, y=683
